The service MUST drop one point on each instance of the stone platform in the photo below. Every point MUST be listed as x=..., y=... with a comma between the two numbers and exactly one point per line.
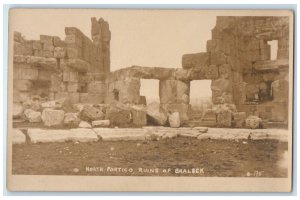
x=37, y=135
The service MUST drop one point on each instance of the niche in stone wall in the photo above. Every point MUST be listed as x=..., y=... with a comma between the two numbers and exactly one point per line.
x=259, y=86
x=115, y=94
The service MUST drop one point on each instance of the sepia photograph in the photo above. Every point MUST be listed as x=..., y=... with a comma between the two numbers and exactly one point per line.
x=150, y=100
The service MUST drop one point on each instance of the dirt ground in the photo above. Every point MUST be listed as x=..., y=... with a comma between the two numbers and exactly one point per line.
x=171, y=157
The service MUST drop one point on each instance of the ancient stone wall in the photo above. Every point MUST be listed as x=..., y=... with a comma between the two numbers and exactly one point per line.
x=247, y=77
x=72, y=68
x=237, y=61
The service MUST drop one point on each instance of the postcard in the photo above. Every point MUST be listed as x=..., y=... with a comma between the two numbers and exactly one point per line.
x=150, y=100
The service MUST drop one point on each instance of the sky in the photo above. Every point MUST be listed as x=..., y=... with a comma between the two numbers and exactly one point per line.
x=154, y=38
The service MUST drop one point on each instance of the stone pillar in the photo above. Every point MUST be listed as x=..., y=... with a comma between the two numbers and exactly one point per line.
x=174, y=97
x=101, y=38
x=174, y=91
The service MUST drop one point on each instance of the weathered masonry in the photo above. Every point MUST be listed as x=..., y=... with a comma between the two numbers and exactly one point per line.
x=238, y=61
x=55, y=68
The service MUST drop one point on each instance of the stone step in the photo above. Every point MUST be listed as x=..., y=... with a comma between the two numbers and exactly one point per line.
x=18, y=137
x=50, y=135
x=126, y=134
x=253, y=134
x=37, y=135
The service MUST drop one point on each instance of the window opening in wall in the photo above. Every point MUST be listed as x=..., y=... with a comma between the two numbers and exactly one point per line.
x=273, y=49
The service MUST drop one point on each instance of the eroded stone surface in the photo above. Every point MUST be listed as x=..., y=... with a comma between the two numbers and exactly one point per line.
x=84, y=124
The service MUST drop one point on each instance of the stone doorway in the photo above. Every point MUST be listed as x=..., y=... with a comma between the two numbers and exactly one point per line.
x=149, y=90
x=200, y=98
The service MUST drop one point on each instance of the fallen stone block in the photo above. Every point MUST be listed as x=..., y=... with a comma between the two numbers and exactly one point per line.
x=119, y=116
x=33, y=116
x=47, y=135
x=52, y=117
x=90, y=113
x=84, y=124
x=101, y=123
x=121, y=134
x=253, y=122
x=71, y=119
x=156, y=114
x=18, y=137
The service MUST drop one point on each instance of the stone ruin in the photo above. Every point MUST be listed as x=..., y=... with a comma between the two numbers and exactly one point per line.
x=246, y=83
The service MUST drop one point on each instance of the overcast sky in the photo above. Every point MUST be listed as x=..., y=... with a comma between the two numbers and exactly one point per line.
x=139, y=37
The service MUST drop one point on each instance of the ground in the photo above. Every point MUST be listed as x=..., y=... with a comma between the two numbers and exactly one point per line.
x=171, y=157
